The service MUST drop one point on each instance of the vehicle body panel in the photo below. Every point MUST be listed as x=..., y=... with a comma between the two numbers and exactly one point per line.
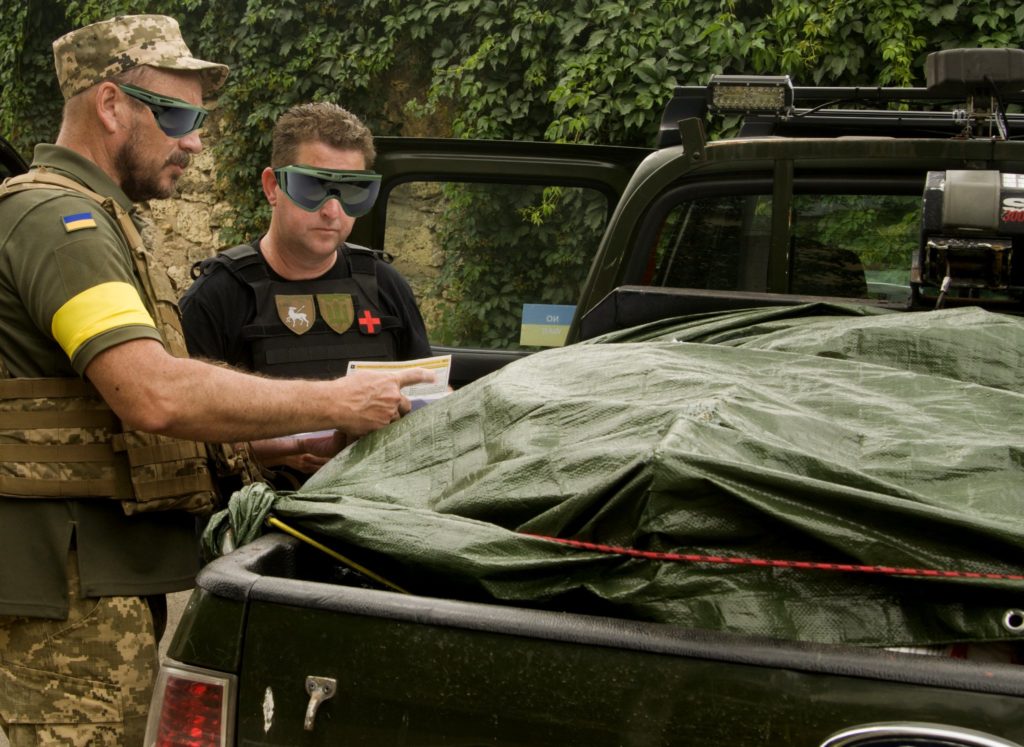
x=419, y=670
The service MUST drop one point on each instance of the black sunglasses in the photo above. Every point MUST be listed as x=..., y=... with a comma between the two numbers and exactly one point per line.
x=310, y=187
x=175, y=117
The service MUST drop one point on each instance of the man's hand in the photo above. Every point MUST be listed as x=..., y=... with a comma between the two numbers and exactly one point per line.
x=305, y=453
x=155, y=392
x=374, y=398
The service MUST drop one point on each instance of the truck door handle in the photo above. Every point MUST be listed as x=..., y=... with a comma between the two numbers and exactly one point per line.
x=319, y=689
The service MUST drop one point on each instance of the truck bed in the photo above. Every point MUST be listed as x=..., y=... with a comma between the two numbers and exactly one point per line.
x=425, y=671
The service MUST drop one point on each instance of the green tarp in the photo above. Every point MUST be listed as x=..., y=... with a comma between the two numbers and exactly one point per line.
x=821, y=434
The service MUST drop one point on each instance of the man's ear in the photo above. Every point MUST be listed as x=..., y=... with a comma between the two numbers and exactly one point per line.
x=110, y=106
x=269, y=186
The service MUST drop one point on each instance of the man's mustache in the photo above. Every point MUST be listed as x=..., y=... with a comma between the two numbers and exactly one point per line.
x=181, y=159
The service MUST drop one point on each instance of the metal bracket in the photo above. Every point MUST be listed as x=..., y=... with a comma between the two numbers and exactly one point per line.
x=692, y=137
x=319, y=689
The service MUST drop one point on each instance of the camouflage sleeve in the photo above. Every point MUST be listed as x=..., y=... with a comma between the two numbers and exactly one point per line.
x=76, y=279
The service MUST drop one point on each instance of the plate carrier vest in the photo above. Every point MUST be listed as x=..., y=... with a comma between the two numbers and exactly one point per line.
x=59, y=439
x=326, y=345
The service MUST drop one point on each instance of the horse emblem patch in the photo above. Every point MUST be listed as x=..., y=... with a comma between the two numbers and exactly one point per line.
x=297, y=312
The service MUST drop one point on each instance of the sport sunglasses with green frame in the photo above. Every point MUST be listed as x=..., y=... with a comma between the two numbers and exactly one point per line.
x=175, y=117
x=310, y=187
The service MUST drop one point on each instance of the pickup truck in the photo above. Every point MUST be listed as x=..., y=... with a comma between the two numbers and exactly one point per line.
x=811, y=199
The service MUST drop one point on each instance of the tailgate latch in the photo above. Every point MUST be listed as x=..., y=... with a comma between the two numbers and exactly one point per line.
x=319, y=689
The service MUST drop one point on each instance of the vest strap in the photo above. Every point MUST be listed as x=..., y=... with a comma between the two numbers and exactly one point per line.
x=34, y=487
x=32, y=419
x=48, y=387
x=57, y=453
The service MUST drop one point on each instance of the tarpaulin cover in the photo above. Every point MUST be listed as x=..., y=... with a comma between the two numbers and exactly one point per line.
x=822, y=434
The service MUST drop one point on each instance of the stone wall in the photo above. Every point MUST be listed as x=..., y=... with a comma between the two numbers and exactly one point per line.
x=183, y=229
x=411, y=236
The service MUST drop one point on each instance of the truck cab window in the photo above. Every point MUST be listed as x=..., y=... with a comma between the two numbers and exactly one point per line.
x=491, y=248
x=841, y=245
x=853, y=246
x=708, y=242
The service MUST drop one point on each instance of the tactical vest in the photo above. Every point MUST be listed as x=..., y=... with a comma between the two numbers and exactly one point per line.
x=59, y=439
x=311, y=328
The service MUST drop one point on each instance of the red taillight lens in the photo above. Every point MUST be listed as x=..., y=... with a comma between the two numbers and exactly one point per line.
x=191, y=708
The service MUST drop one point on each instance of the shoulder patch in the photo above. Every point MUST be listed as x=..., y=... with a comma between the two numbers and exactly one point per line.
x=78, y=221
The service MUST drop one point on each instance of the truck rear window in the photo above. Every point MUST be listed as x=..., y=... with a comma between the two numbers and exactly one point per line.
x=842, y=245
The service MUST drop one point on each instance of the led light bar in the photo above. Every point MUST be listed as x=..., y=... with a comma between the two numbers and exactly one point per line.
x=749, y=94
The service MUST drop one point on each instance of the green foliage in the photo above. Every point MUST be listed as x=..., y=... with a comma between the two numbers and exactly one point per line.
x=596, y=71
x=515, y=245
x=882, y=230
x=31, y=108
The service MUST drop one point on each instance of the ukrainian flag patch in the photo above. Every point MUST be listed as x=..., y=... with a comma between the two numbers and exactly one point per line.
x=78, y=221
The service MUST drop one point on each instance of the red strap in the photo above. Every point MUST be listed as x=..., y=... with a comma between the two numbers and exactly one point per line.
x=769, y=563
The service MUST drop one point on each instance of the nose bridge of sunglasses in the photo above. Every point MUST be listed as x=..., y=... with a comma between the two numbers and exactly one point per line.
x=331, y=190
x=332, y=201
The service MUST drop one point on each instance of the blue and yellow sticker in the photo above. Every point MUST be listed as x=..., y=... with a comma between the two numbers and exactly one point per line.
x=545, y=325
x=78, y=221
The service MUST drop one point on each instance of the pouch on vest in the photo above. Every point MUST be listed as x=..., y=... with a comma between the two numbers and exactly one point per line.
x=59, y=439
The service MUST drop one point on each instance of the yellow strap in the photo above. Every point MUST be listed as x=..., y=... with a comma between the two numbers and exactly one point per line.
x=278, y=524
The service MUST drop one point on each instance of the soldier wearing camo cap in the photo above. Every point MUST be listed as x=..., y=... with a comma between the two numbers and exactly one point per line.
x=107, y=429
x=103, y=50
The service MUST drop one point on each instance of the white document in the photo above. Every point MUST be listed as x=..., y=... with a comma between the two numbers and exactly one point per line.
x=419, y=394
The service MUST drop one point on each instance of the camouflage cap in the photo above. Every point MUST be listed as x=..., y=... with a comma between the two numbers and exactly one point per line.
x=92, y=54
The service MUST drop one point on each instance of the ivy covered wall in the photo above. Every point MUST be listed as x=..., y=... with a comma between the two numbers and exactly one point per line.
x=594, y=71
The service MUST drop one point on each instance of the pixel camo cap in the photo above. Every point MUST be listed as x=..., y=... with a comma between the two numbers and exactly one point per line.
x=91, y=54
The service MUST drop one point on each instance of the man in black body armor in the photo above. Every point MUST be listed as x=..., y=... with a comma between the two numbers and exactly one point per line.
x=300, y=302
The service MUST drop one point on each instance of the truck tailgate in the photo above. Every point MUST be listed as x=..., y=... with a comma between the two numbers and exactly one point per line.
x=423, y=671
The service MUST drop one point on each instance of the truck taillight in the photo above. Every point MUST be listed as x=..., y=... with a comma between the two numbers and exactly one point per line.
x=191, y=707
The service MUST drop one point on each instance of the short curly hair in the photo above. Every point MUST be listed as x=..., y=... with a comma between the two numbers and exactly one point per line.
x=320, y=122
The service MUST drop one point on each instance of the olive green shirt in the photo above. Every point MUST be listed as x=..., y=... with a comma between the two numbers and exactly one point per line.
x=68, y=291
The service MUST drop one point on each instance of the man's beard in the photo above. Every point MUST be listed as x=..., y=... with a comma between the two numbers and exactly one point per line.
x=138, y=180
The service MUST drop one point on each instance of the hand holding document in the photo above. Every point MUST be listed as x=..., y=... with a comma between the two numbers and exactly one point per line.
x=418, y=394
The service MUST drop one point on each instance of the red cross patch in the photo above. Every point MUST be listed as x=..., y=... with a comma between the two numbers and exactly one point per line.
x=369, y=324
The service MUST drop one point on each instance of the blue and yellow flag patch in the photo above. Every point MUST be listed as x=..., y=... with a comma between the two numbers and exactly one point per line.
x=78, y=221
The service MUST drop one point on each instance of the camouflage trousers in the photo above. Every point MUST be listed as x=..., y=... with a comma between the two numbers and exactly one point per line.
x=82, y=681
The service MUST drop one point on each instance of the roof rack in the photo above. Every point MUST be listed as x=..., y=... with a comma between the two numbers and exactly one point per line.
x=967, y=95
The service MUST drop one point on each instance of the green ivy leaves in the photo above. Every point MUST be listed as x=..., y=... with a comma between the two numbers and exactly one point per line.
x=596, y=71
x=586, y=71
